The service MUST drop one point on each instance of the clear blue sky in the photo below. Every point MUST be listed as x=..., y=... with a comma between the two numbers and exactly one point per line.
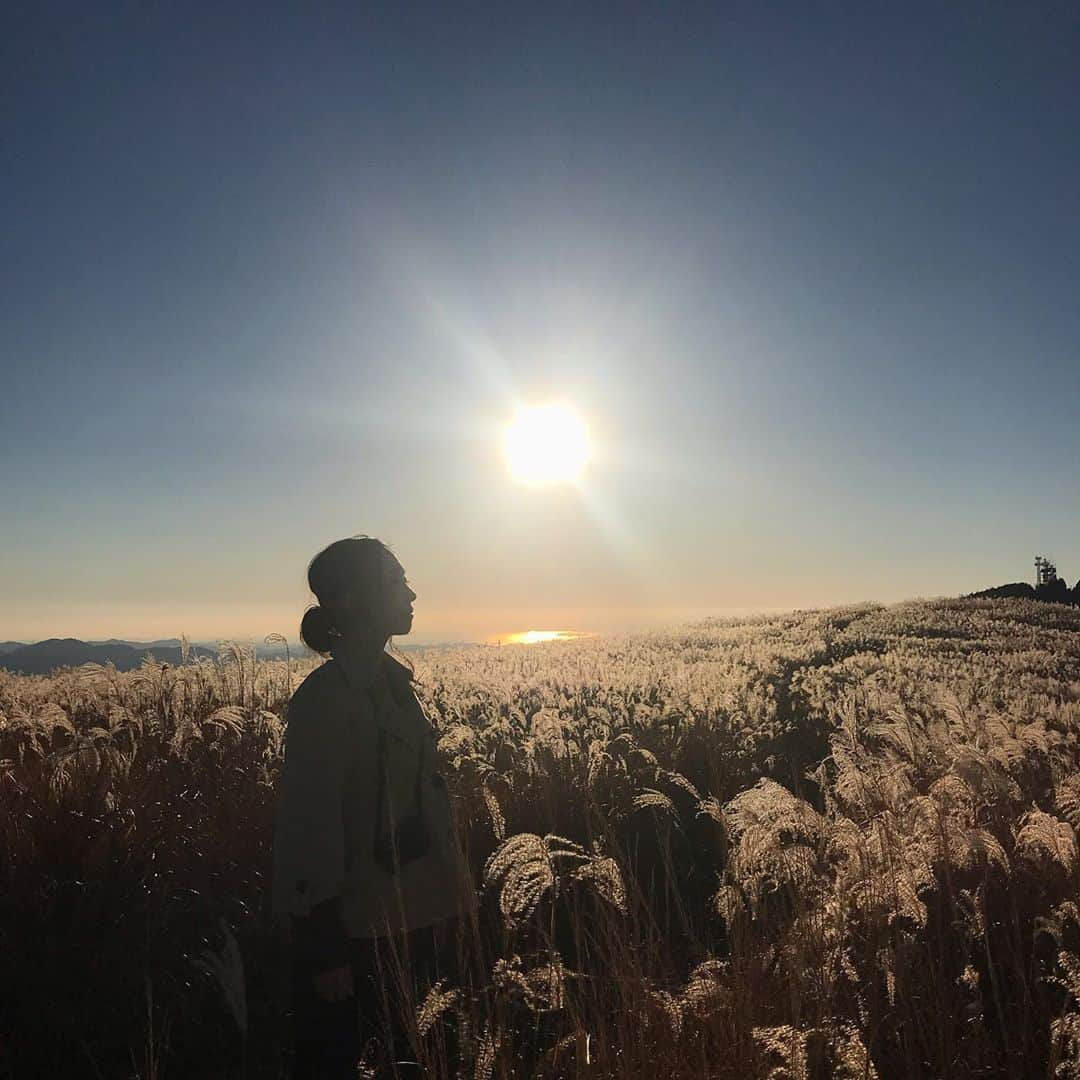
x=273, y=278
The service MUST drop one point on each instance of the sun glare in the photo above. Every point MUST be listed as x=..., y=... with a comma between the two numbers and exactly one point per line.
x=535, y=637
x=546, y=444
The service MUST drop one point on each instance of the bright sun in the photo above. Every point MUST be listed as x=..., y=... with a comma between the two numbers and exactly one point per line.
x=546, y=444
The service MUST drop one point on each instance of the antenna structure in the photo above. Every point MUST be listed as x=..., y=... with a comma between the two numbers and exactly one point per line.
x=1045, y=571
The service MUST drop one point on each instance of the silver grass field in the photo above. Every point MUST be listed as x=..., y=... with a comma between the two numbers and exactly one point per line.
x=828, y=844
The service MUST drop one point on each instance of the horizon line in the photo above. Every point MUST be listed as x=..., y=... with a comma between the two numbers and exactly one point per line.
x=401, y=641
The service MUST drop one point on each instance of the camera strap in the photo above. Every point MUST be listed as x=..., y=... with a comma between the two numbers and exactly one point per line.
x=380, y=798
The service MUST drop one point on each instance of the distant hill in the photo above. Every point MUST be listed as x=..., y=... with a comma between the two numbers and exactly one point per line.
x=1054, y=592
x=1019, y=589
x=162, y=643
x=438, y=646
x=46, y=656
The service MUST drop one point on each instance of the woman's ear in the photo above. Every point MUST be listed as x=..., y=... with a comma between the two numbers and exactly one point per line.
x=347, y=602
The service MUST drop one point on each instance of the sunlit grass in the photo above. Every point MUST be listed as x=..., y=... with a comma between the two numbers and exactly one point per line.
x=839, y=843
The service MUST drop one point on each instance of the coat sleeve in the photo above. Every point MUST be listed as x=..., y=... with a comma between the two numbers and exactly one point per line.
x=309, y=839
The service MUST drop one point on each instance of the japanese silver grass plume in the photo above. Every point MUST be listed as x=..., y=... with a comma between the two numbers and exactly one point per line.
x=1046, y=841
x=438, y=1001
x=526, y=867
x=226, y=965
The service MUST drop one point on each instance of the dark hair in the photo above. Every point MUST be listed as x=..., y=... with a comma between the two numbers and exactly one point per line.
x=317, y=629
x=335, y=570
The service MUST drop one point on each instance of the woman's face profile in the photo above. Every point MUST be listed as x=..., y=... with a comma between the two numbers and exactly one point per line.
x=386, y=605
x=398, y=598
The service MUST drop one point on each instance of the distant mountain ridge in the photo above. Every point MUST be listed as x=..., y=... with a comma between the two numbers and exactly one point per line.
x=45, y=656
x=161, y=643
x=42, y=657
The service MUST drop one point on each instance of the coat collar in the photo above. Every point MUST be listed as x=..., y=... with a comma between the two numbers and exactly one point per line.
x=361, y=671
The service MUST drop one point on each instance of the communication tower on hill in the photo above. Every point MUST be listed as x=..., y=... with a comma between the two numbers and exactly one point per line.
x=1045, y=571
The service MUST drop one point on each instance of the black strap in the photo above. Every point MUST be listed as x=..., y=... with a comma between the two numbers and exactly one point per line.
x=418, y=788
x=380, y=764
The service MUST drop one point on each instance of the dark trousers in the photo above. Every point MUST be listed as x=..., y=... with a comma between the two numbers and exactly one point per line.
x=330, y=1037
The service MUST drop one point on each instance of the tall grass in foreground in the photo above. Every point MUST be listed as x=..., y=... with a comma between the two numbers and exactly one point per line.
x=834, y=843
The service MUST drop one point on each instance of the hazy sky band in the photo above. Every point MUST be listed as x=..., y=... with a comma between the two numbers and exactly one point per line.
x=275, y=280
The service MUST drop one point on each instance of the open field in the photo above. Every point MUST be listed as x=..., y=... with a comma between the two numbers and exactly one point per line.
x=835, y=843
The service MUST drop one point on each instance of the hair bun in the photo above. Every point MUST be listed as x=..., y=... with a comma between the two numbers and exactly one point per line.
x=316, y=629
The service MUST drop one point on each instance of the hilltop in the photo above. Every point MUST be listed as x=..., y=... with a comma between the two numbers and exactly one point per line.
x=1052, y=592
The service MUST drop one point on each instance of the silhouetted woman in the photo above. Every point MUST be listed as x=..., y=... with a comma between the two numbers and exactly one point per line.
x=364, y=855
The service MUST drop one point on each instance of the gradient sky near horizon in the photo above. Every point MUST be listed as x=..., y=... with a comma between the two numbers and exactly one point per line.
x=275, y=277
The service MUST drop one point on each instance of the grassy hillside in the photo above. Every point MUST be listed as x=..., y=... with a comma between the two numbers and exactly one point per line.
x=837, y=843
